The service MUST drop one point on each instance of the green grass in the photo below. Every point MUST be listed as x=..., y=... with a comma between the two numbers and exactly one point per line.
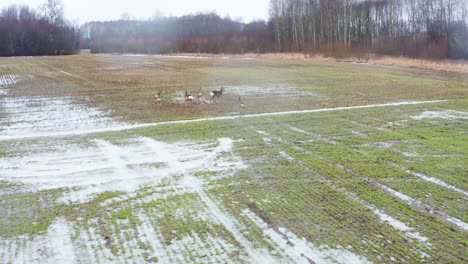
x=321, y=194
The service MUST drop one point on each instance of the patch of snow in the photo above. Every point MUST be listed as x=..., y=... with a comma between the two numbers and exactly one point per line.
x=112, y=68
x=448, y=114
x=53, y=247
x=410, y=154
x=410, y=232
x=299, y=250
x=134, y=55
x=109, y=167
x=9, y=79
x=255, y=255
x=438, y=182
x=183, y=57
x=411, y=201
x=41, y=116
x=286, y=156
x=383, y=144
x=67, y=73
x=128, y=127
x=316, y=136
x=357, y=133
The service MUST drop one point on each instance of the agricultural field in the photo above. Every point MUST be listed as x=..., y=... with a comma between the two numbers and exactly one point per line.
x=328, y=162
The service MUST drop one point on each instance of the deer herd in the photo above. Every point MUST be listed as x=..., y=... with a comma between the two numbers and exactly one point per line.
x=215, y=96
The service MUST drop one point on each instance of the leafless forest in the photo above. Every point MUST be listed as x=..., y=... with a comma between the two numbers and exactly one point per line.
x=416, y=28
x=433, y=29
x=28, y=32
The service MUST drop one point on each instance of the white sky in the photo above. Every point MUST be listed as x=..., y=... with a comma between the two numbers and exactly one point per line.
x=82, y=11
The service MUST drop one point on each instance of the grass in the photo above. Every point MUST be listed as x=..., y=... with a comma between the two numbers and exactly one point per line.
x=99, y=79
x=323, y=192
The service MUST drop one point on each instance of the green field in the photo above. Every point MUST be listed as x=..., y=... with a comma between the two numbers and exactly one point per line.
x=385, y=183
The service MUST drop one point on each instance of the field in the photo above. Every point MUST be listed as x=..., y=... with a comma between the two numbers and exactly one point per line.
x=329, y=162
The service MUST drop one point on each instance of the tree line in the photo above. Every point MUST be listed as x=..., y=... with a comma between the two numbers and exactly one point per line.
x=199, y=33
x=27, y=32
x=415, y=28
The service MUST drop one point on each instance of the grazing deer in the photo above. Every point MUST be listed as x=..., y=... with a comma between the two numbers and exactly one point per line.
x=188, y=98
x=158, y=99
x=241, y=106
x=217, y=94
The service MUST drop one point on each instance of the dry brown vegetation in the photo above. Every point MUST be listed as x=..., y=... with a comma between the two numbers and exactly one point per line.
x=126, y=85
x=447, y=65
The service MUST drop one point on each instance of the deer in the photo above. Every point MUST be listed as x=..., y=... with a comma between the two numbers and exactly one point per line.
x=158, y=99
x=241, y=106
x=199, y=96
x=188, y=98
x=217, y=94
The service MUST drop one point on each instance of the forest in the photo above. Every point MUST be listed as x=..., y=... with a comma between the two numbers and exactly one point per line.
x=413, y=28
x=27, y=32
x=435, y=29
x=198, y=33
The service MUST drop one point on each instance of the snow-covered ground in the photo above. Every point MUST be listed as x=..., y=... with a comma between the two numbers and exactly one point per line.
x=42, y=116
x=447, y=114
x=139, y=162
x=96, y=165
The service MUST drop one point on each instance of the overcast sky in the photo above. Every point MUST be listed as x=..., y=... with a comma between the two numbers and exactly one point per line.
x=86, y=10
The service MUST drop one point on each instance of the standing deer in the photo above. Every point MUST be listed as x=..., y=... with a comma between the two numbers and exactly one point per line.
x=217, y=94
x=199, y=96
x=158, y=99
x=188, y=98
x=241, y=106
